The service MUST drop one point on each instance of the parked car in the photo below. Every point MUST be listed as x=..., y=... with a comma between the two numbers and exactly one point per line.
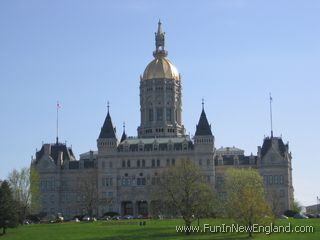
x=309, y=215
x=127, y=217
x=75, y=220
x=106, y=218
x=283, y=217
x=300, y=216
x=86, y=218
x=111, y=214
x=116, y=218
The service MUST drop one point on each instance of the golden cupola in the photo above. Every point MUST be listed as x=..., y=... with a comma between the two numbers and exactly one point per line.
x=160, y=95
x=161, y=67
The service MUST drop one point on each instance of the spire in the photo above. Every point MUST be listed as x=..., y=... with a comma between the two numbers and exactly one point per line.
x=124, y=135
x=160, y=39
x=203, y=127
x=107, y=130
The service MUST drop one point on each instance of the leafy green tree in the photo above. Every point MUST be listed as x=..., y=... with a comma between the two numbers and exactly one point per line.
x=183, y=187
x=246, y=201
x=8, y=216
x=296, y=206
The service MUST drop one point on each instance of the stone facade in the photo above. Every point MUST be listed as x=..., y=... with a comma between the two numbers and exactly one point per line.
x=125, y=170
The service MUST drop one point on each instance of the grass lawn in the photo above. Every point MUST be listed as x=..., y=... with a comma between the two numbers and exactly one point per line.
x=154, y=229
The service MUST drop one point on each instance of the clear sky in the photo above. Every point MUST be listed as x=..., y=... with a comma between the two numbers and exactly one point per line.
x=232, y=53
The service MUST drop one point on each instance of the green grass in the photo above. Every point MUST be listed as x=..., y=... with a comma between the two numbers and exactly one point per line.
x=154, y=229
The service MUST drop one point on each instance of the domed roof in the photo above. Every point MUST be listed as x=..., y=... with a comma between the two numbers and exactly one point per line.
x=161, y=67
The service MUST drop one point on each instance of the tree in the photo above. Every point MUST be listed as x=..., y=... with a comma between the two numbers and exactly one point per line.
x=88, y=192
x=246, y=201
x=273, y=198
x=8, y=216
x=25, y=190
x=183, y=187
x=296, y=206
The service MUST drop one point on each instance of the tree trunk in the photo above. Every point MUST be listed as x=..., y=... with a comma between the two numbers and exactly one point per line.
x=4, y=230
x=188, y=224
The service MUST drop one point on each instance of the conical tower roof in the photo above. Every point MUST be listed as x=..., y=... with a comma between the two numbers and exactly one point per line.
x=203, y=126
x=107, y=130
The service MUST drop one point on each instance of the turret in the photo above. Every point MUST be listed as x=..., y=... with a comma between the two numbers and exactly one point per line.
x=203, y=137
x=124, y=135
x=107, y=141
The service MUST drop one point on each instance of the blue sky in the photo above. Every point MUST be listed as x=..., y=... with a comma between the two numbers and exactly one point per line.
x=232, y=53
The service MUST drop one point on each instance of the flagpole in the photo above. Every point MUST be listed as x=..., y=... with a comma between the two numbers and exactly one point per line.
x=271, y=116
x=57, y=122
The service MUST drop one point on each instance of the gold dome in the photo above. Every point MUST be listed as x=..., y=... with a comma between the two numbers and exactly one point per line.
x=161, y=67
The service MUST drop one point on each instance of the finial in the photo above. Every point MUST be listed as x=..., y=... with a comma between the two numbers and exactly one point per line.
x=108, y=105
x=124, y=126
x=160, y=42
x=202, y=104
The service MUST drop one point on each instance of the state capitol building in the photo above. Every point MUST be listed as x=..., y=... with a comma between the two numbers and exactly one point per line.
x=126, y=168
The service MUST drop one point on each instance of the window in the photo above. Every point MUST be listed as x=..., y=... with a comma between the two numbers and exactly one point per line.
x=281, y=179
x=208, y=162
x=265, y=180
x=150, y=114
x=173, y=161
x=158, y=162
x=110, y=164
x=219, y=181
x=141, y=181
x=126, y=181
x=159, y=114
x=123, y=163
x=128, y=163
x=153, y=163
x=143, y=163
x=103, y=165
x=168, y=162
x=107, y=182
x=270, y=180
x=138, y=163
x=168, y=115
x=275, y=178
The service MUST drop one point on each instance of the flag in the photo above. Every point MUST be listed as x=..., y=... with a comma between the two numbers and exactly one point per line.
x=58, y=105
x=270, y=97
